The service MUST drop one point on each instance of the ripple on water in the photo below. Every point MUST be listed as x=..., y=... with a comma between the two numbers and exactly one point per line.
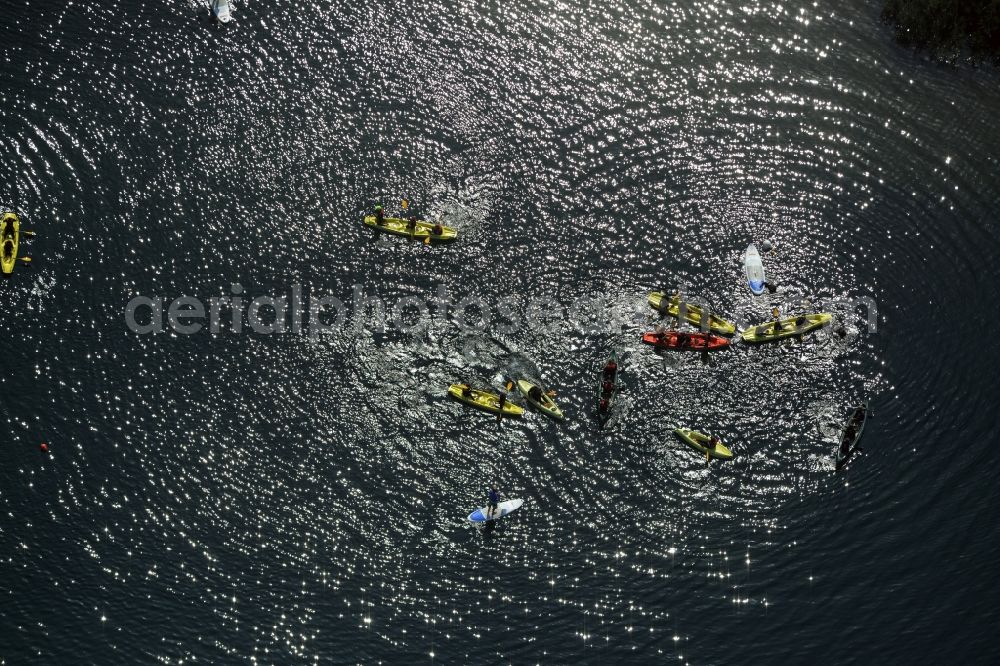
x=287, y=499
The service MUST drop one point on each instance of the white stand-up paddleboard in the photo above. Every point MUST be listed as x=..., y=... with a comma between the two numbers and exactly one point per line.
x=755, y=270
x=503, y=508
x=221, y=10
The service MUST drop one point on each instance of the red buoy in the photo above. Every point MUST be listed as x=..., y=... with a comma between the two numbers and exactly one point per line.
x=44, y=447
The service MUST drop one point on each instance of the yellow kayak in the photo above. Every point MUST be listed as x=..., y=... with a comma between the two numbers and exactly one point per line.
x=789, y=327
x=422, y=231
x=484, y=400
x=700, y=441
x=692, y=314
x=538, y=399
x=10, y=231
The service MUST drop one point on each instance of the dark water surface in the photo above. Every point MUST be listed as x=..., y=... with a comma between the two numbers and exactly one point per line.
x=281, y=499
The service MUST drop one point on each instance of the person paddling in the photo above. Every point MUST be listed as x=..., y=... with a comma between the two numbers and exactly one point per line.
x=776, y=313
x=847, y=440
x=503, y=401
x=713, y=443
x=379, y=215
x=492, y=500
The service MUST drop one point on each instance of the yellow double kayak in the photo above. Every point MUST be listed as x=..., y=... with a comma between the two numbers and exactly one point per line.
x=533, y=394
x=701, y=442
x=484, y=400
x=789, y=327
x=422, y=230
x=10, y=231
x=692, y=313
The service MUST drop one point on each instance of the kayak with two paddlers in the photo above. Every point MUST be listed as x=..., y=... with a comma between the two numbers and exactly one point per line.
x=681, y=341
x=607, y=388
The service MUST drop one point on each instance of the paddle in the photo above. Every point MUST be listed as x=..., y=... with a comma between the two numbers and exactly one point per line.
x=413, y=229
x=406, y=205
x=503, y=401
x=31, y=234
x=26, y=260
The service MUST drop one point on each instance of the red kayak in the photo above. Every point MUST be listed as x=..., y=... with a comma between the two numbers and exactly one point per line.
x=679, y=341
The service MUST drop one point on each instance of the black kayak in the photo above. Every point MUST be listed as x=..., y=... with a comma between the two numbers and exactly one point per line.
x=852, y=434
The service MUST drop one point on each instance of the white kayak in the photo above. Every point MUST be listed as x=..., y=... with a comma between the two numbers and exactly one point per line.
x=503, y=508
x=221, y=10
x=754, y=268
